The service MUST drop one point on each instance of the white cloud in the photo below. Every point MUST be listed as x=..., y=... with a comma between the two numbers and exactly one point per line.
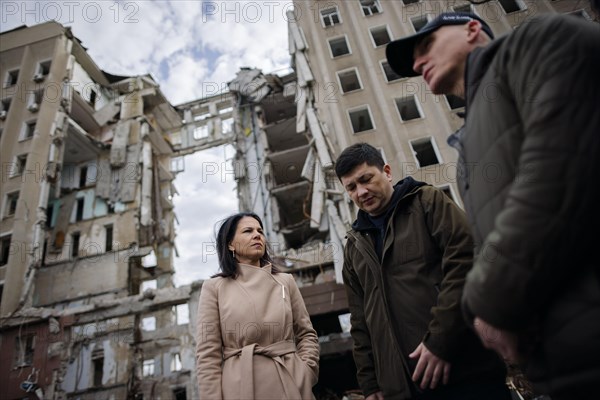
x=191, y=48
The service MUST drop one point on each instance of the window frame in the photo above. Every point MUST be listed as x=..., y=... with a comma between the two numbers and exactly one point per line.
x=7, y=203
x=377, y=5
x=329, y=40
x=343, y=71
x=417, y=104
x=336, y=12
x=433, y=145
x=8, y=81
x=387, y=29
x=381, y=62
x=361, y=108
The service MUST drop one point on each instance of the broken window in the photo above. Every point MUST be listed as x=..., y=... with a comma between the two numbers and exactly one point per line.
x=389, y=73
x=454, y=102
x=349, y=80
x=35, y=100
x=82, y=176
x=225, y=110
x=24, y=350
x=424, y=152
x=408, y=108
x=510, y=6
x=20, y=162
x=75, y=236
x=201, y=116
x=10, y=205
x=330, y=17
x=44, y=67
x=93, y=97
x=370, y=7
x=149, y=324
x=4, y=249
x=182, y=314
x=380, y=35
x=177, y=164
x=175, y=362
x=148, y=367
x=108, y=240
x=419, y=22
x=11, y=78
x=361, y=119
x=28, y=130
x=98, y=366
x=339, y=46
x=406, y=2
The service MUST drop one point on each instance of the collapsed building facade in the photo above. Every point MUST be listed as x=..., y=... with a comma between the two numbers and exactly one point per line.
x=88, y=305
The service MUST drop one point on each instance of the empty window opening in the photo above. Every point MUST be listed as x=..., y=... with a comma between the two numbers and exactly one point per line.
x=182, y=314
x=150, y=284
x=227, y=125
x=370, y=7
x=424, y=152
x=225, y=110
x=24, y=350
x=108, y=230
x=419, y=22
x=29, y=129
x=21, y=162
x=510, y=6
x=201, y=132
x=98, y=366
x=93, y=97
x=408, y=108
x=339, y=47
x=75, y=237
x=49, y=214
x=11, y=204
x=44, y=67
x=82, y=176
x=4, y=249
x=201, y=116
x=349, y=80
x=406, y=2
x=330, y=17
x=148, y=367
x=79, y=210
x=361, y=120
x=5, y=105
x=149, y=324
x=179, y=394
x=35, y=100
x=454, y=102
x=11, y=78
x=175, y=362
x=380, y=35
x=390, y=75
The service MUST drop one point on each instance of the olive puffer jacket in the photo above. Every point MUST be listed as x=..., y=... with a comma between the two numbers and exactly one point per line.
x=412, y=293
x=529, y=177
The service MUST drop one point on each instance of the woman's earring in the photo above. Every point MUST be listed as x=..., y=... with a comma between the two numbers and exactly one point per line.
x=233, y=254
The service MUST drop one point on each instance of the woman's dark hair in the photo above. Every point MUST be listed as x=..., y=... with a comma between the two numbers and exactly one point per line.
x=227, y=263
x=356, y=155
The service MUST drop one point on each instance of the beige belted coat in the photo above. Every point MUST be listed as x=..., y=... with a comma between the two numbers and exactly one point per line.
x=255, y=339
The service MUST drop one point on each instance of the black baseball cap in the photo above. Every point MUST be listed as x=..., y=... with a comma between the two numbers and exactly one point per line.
x=400, y=52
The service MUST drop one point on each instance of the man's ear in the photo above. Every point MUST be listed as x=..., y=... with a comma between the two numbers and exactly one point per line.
x=388, y=171
x=473, y=28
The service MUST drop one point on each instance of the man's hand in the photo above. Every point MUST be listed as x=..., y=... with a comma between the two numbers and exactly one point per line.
x=430, y=367
x=502, y=342
x=375, y=396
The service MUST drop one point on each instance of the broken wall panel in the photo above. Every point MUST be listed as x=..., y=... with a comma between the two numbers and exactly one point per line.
x=118, y=150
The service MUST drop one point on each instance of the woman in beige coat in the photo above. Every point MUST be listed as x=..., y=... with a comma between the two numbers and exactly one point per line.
x=255, y=339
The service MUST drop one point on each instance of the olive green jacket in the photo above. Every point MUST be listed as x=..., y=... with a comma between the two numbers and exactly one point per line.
x=412, y=294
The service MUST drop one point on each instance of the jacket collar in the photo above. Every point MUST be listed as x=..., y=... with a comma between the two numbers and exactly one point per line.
x=401, y=189
x=245, y=271
x=478, y=62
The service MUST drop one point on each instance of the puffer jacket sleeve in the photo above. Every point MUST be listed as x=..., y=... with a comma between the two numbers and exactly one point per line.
x=209, y=348
x=449, y=228
x=362, y=350
x=537, y=242
x=307, y=342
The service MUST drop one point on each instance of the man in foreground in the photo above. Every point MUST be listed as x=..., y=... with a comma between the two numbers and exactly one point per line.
x=532, y=101
x=404, y=268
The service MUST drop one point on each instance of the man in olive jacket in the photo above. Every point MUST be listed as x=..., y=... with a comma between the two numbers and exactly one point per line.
x=405, y=262
x=529, y=162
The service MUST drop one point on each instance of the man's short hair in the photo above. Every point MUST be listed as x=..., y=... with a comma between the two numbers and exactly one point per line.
x=356, y=155
x=400, y=53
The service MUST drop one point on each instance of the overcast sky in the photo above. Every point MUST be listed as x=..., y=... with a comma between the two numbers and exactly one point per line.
x=191, y=48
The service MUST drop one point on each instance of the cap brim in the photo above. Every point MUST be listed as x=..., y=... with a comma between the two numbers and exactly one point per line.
x=400, y=53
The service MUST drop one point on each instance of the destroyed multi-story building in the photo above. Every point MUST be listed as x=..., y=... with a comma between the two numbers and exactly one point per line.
x=88, y=304
x=88, y=307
